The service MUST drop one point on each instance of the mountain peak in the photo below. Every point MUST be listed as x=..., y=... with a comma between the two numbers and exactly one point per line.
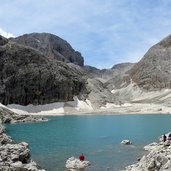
x=51, y=46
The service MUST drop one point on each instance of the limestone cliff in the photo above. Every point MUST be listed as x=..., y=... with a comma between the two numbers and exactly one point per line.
x=28, y=77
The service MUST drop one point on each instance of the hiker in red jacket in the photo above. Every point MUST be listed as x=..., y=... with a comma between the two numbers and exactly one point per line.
x=82, y=157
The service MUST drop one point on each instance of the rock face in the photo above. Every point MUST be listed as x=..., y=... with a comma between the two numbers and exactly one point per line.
x=51, y=46
x=27, y=77
x=153, y=72
x=75, y=164
x=158, y=158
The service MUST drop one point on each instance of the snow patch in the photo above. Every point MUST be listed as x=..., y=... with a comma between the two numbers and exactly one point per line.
x=53, y=108
x=57, y=108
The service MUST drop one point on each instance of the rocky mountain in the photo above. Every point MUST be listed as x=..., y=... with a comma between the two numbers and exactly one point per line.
x=30, y=73
x=122, y=67
x=51, y=46
x=145, y=81
x=101, y=83
x=153, y=71
x=120, y=76
x=28, y=77
x=105, y=75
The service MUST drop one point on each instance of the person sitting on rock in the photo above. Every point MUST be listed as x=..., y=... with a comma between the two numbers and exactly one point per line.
x=164, y=138
x=82, y=157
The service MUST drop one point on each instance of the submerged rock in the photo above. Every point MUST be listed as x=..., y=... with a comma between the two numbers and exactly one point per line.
x=126, y=142
x=74, y=163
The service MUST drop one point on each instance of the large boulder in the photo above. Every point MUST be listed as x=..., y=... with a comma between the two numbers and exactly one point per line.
x=74, y=163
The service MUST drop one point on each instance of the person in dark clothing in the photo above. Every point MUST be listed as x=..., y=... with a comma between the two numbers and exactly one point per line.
x=164, y=138
x=82, y=157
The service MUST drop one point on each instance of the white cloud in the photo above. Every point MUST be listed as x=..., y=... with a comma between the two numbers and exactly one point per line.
x=5, y=34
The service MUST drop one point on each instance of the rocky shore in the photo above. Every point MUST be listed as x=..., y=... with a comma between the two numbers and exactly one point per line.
x=158, y=158
x=15, y=157
x=7, y=116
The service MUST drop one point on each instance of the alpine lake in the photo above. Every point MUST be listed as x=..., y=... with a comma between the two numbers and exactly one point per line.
x=97, y=136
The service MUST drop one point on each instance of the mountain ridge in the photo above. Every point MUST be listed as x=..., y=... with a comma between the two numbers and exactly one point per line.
x=28, y=77
x=51, y=46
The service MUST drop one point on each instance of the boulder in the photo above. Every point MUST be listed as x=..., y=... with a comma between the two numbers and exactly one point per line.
x=74, y=163
x=4, y=139
x=126, y=142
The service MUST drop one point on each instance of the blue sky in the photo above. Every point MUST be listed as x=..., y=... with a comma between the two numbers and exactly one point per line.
x=106, y=32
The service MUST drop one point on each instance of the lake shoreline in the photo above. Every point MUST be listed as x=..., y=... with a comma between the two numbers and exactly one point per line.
x=109, y=109
x=15, y=156
x=158, y=157
x=104, y=138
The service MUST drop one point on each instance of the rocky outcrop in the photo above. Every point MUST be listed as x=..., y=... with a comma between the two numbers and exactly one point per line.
x=27, y=77
x=4, y=139
x=7, y=116
x=153, y=72
x=158, y=158
x=75, y=164
x=17, y=157
x=14, y=157
x=51, y=46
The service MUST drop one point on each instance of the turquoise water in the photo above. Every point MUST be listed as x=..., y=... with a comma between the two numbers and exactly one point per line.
x=97, y=136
